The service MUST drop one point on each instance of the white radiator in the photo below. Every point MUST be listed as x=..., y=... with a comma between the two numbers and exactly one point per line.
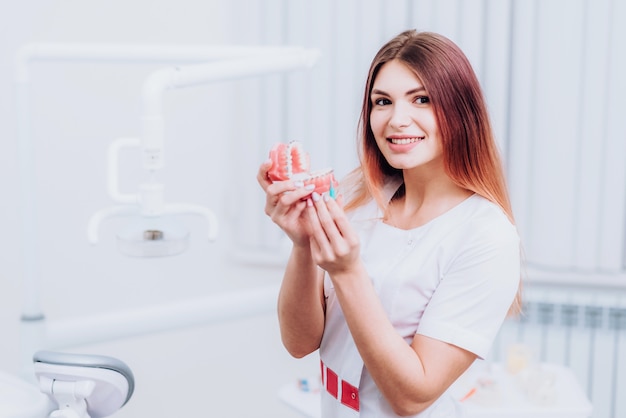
x=582, y=328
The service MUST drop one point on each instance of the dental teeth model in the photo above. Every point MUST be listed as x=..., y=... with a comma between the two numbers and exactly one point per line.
x=291, y=162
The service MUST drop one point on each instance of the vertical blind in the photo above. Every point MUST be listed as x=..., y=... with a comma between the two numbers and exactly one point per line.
x=552, y=73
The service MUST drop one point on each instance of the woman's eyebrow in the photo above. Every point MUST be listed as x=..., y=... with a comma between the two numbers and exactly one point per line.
x=418, y=89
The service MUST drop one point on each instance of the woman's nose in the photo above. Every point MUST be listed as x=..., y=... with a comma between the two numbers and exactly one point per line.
x=400, y=116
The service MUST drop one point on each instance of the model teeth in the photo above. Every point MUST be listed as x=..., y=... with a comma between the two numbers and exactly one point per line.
x=405, y=141
x=294, y=147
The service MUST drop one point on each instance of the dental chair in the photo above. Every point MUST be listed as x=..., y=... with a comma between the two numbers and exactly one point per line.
x=82, y=385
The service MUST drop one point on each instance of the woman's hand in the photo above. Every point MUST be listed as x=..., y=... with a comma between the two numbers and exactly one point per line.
x=285, y=204
x=334, y=244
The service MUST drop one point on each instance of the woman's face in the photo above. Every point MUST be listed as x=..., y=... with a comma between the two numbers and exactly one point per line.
x=402, y=119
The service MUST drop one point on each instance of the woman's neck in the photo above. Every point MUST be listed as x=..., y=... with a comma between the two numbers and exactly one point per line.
x=422, y=198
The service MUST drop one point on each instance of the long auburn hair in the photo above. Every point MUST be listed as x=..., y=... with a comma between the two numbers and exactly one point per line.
x=470, y=154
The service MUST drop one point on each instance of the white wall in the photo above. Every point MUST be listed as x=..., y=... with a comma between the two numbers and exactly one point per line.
x=568, y=136
x=77, y=110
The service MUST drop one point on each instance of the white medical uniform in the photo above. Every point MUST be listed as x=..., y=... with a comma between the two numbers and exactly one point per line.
x=452, y=279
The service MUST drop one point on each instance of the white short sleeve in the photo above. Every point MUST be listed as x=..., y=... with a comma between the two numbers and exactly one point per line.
x=477, y=285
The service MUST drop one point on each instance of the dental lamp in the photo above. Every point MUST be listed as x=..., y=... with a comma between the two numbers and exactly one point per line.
x=149, y=200
x=154, y=230
x=83, y=385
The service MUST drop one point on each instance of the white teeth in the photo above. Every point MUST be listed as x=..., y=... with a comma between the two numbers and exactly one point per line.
x=404, y=141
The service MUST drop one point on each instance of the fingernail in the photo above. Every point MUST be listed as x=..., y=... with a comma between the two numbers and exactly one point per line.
x=309, y=203
x=310, y=187
x=326, y=197
x=298, y=184
x=315, y=196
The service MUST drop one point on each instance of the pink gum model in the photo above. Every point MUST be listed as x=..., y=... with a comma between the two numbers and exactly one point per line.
x=291, y=162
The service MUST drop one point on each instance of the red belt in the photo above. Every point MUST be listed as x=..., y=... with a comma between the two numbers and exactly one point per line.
x=349, y=394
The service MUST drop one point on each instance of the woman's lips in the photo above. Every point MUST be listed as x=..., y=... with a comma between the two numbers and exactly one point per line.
x=405, y=140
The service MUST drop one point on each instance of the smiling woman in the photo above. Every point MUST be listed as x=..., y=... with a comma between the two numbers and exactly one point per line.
x=402, y=120
x=407, y=284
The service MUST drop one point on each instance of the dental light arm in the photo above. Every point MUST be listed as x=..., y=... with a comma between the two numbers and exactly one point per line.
x=113, y=169
x=98, y=52
x=146, y=237
x=149, y=202
x=101, y=215
x=208, y=214
x=83, y=386
x=194, y=75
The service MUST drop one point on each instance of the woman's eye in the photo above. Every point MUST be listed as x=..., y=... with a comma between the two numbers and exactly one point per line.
x=422, y=100
x=382, y=102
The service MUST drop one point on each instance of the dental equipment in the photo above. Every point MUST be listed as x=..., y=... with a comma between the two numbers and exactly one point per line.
x=76, y=52
x=122, y=54
x=147, y=205
x=18, y=397
x=153, y=234
x=83, y=386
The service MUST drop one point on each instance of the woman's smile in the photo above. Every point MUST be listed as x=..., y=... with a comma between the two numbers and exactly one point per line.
x=405, y=141
x=402, y=118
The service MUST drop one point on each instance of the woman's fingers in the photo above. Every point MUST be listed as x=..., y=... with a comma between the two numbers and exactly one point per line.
x=261, y=176
x=285, y=203
x=335, y=209
x=320, y=245
x=326, y=220
x=339, y=201
x=334, y=239
x=287, y=193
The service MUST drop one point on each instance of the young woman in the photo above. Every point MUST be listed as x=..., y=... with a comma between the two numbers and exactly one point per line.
x=405, y=285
